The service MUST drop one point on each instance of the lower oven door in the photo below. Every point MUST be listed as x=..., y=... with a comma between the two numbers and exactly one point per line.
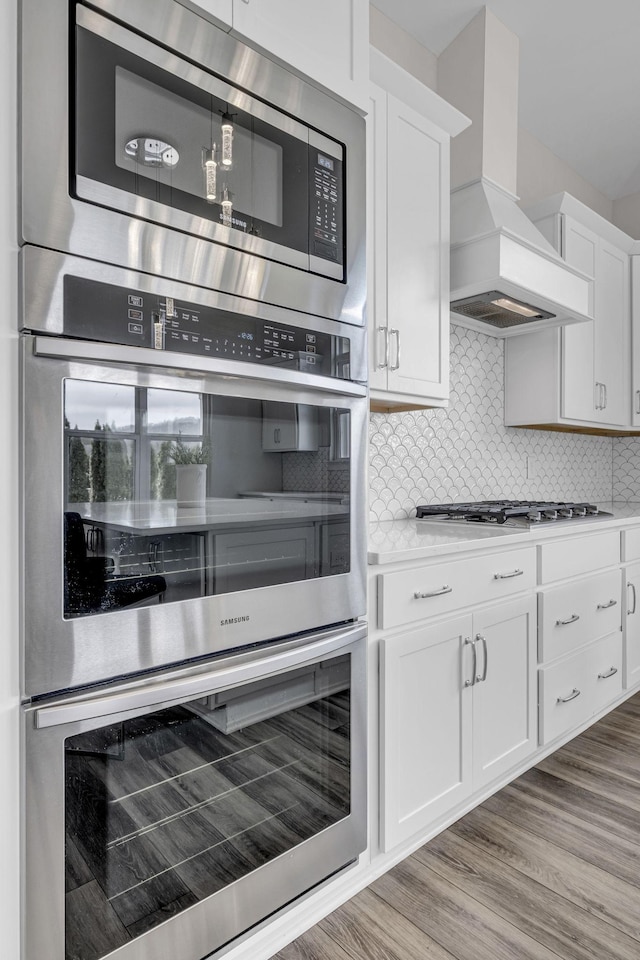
x=164, y=818
x=126, y=567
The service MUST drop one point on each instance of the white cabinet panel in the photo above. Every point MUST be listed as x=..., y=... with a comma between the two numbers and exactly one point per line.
x=408, y=217
x=582, y=377
x=631, y=599
x=574, y=556
x=425, y=727
x=504, y=702
x=328, y=42
x=458, y=710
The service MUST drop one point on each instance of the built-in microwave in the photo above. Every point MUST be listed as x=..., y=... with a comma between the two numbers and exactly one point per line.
x=152, y=139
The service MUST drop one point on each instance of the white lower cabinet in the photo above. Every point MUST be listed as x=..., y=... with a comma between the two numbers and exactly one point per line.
x=631, y=621
x=579, y=686
x=458, y=710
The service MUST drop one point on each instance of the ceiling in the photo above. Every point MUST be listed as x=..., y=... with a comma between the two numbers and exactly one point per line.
x=579, y=75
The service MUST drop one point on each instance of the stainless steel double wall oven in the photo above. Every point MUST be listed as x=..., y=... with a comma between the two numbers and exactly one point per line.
x=193, y=453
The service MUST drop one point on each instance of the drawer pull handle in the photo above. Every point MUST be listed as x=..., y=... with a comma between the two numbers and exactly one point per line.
x=611, y=672
x=432, y=593
x=574, y=693
x=571, y=619
x=483, y=676
x=508, y=576
x=605, y=606
x=474, y=666
x=633, y=587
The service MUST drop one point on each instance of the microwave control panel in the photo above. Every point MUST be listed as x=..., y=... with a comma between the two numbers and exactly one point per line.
x=112, y=314
x=326, y=234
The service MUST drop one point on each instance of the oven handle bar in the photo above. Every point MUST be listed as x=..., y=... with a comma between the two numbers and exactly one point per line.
x=227, y=673
x=85, y=350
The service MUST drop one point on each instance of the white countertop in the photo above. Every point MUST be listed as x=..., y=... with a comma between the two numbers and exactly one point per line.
x=392, y=541
x=164, y=516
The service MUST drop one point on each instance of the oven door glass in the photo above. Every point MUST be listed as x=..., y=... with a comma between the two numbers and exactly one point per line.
x=173, y=494
x=160, y=138
x=165, y=809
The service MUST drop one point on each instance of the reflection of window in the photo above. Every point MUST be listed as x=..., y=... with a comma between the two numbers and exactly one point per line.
x=119, y=439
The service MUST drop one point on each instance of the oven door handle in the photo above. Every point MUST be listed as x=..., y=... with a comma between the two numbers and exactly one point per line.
x=62, y=349
x=227, y=673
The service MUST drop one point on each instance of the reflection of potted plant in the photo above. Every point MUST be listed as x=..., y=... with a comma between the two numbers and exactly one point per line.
x=191, y=471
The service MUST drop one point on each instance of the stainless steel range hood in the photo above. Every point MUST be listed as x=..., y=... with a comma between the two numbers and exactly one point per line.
x=497, y=253
x=505, y=276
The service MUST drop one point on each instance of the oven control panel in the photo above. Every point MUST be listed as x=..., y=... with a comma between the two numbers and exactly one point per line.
x=113, y=314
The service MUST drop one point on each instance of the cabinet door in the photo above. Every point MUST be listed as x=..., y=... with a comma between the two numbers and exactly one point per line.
x=288, y=427
x=425, y=727
x=417, y=253
x=328, y=42
x=612, y=333
x=580, y=250
x=635, y=336
x=631, y=626
x=504, y=695
x=263, y=558
x=377, y=237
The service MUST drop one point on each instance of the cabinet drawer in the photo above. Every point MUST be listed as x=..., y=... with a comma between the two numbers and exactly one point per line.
x=606, y=670
x=410, y=595
x=571, y=558
x=577, y=613
x=574, y=689
x=631, y=544
x=563, y=696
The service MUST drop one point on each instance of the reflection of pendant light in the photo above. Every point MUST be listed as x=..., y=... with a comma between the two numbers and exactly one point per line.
x=210, y=167
x=227, y=206
x=226, y=157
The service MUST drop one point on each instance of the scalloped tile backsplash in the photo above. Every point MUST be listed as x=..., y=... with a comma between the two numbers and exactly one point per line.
x=465, y=452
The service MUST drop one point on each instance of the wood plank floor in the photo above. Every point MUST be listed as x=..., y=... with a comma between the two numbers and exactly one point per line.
x=547, y=868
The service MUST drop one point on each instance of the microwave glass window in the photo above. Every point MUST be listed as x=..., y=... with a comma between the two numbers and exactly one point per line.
x=251, y=177
x=171, y=495
x=146, y=133
x=166, y=809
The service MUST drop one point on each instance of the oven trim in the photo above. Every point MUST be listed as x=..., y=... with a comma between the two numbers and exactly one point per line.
x=252, y=897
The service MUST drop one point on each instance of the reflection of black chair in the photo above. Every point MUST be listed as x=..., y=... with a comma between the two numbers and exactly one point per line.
x=90, y=584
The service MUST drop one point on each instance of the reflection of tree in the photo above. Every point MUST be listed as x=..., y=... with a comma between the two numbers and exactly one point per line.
x=78, y=471
x=111, y=472
x=166, y=484
x=98, y=468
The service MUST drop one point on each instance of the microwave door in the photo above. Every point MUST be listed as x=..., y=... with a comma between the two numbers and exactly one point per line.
x=163, y=139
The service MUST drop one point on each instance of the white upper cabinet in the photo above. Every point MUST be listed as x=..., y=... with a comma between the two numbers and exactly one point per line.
x=635, y=333
x=409, y=129
x=327, y=42
x=579, y=375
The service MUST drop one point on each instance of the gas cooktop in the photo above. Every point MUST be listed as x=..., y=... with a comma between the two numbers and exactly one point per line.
x=512, y=512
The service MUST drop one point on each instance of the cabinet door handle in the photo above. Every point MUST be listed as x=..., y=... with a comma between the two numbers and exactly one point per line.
x=395, y=333
x=571, y=619
x=474, y=665
x=605, y=606
x=508, y=576
x=574, y=693
x=276, y=435
x=637, y=401
x=598, y=396
x=432, y=593
x=483, y=677
x=611, y=672
x=385, y=359
x=633, y=609
x=604, y=393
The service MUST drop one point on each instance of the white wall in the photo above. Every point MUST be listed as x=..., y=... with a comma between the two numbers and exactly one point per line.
x=541, y=174
x=401, y=47
x=9, y=685
x=626, y=214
